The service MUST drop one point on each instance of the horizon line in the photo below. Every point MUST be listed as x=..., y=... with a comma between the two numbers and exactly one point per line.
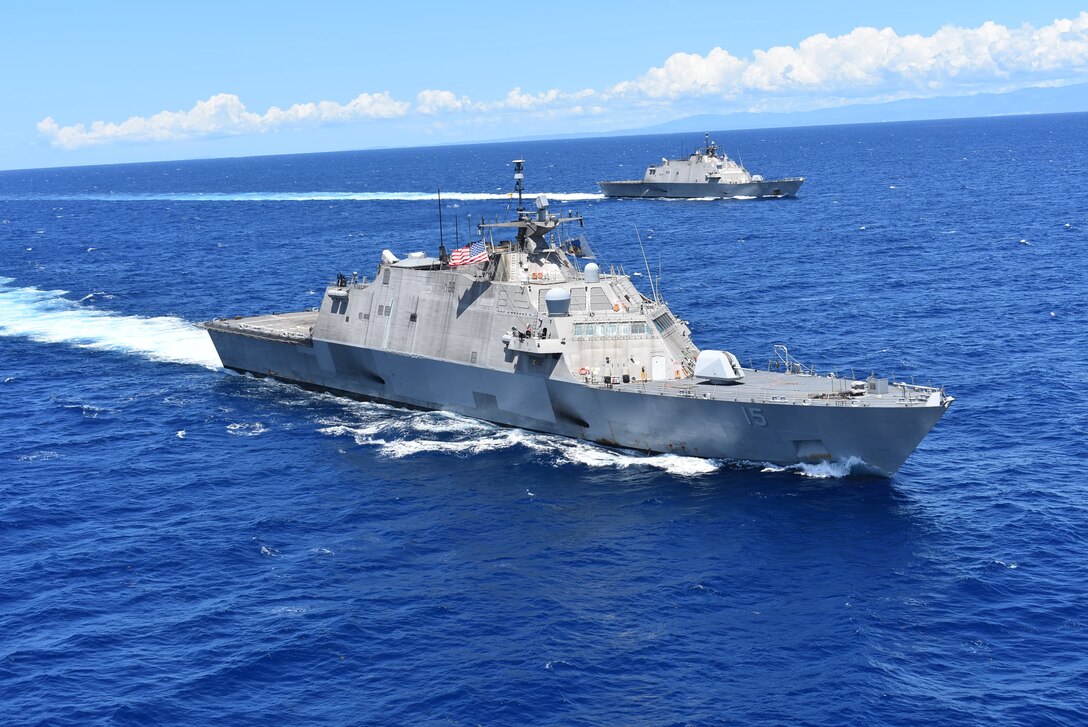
x=553, y=137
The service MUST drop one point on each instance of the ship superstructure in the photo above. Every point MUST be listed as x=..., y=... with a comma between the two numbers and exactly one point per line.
x=531, y=332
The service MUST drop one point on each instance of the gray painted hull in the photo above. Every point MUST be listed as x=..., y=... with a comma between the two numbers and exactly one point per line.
x=768, y=188
x=548, y=399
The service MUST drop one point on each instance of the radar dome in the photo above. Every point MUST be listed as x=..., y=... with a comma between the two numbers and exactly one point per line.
x=558, y=301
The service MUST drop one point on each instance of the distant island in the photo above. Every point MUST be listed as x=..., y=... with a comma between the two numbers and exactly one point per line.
x=1043, y=100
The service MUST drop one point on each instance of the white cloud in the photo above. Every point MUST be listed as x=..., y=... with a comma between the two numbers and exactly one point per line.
x=868, y=59
x=685, y=73
x=866, y=65
x=430, y=102
x=221, y=115
x=545, y=101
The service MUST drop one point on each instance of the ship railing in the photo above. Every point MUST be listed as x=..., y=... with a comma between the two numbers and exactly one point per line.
x=348, y=281
x=784, y=361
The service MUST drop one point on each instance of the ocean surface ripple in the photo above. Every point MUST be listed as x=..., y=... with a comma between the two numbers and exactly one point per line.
x=184, y=545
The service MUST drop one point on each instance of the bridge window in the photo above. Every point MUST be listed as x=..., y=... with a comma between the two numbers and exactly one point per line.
x=611, y=330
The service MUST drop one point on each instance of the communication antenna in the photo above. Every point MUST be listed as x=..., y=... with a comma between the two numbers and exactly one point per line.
x=658, y=274
x=649, y=275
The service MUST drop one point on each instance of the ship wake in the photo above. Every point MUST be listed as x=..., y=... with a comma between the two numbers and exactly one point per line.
x=398, y=433
x=48, y=316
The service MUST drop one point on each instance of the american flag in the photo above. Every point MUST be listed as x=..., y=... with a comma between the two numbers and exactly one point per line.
x=474, y=253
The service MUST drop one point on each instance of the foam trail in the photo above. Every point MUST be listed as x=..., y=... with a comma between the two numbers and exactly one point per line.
x=398, y=434
x=836, y=469
x=47, y=316
x=307, y=197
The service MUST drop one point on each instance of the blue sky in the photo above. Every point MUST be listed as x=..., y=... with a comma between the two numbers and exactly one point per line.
x=106, y=82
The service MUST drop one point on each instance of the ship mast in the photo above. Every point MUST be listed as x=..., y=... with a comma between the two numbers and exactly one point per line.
x=532, y=229
x=519, y=175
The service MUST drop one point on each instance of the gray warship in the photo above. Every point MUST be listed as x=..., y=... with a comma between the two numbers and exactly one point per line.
x=706, y=172
x=523, y=328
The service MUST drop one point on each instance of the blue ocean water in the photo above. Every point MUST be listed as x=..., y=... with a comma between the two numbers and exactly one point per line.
x=183, y=545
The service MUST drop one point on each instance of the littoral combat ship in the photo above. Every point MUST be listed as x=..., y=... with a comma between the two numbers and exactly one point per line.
x=706, y=172
x=517, y=329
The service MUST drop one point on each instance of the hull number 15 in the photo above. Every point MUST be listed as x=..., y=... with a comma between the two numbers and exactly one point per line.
x=754, y=416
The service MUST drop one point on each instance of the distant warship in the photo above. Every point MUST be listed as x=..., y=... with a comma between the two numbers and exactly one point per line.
x=518, y=329
x=706, y=172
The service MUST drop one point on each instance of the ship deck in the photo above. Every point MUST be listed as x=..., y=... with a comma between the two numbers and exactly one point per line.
x=779, y=387
x=290, y=327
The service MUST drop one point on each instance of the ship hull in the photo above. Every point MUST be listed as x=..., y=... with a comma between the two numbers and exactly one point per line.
x=683, y=190
x=542, y=397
